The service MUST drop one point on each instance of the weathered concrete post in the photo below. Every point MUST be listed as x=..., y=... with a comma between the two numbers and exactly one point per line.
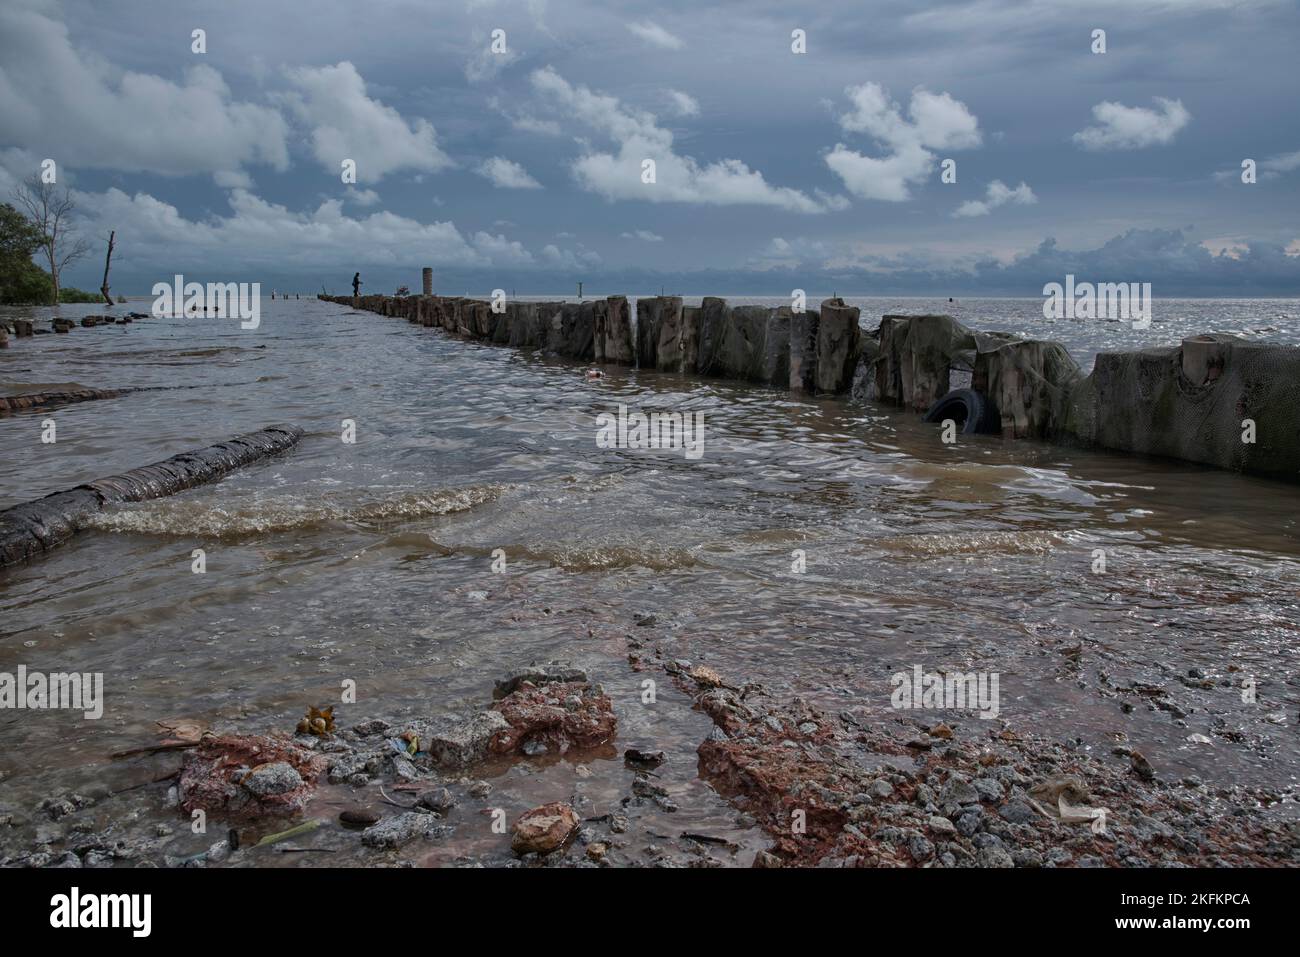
x=710, y=329
x=672, y=347
x=647, y=331
x=600, y=328
x=803, y=349
x=619, y=346
x=1030, y=384
x=427, y=275
x=838, y=343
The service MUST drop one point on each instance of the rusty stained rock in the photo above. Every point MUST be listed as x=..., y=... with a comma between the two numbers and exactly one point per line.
x=544, y=829
x=554, y=718
x=249, y=776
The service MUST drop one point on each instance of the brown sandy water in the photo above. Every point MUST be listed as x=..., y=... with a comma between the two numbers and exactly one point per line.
x=373, y=561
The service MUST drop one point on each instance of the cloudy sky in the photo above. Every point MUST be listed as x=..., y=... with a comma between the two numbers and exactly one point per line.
x=522, y=167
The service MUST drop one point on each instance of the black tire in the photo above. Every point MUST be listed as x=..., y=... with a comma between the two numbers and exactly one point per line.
x=971, y=408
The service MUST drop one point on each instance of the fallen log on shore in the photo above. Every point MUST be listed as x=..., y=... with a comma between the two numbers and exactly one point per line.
x=33, y=528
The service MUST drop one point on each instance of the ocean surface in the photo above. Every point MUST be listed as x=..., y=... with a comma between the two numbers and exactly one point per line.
x=373, y=561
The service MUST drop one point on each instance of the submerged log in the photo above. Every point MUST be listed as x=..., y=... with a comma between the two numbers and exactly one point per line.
x=10, y=404
x=33, y=528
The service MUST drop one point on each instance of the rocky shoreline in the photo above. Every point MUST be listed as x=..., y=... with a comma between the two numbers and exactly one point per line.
x=853, y=789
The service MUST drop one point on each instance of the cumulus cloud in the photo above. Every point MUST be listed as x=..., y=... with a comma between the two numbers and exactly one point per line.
x=679, y=179
x=644, y=235
x=683, y=103
x=997, y=194
x=1174, y=263
x=655, y=35
x=1121, y=127
x=361, y=197
x=934, y=121
x=69, y=104
x=525, y=121
x=579, y=258
x=483, y=63
x=231, y=179
x=256, y=234
x=506, y=174
x=782, y=253
x=347, y=124
x=1270, y=168
x=1285, y=163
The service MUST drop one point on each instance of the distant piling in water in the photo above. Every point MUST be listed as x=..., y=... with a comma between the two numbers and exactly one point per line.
x=33, y=528
x=1216, y=400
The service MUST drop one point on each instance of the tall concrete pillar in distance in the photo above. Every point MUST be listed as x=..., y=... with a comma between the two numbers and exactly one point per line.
x=428, y=280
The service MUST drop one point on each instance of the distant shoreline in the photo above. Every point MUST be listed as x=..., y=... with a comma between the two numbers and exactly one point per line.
x=568, y=294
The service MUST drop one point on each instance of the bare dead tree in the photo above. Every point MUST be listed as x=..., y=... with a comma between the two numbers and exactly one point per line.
x=108, y=259
x=50, y=211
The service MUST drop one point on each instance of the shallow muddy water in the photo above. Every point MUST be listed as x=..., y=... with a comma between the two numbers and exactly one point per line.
x=373, y=561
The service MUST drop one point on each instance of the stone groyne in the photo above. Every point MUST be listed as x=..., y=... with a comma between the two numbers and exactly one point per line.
x=1214, y=399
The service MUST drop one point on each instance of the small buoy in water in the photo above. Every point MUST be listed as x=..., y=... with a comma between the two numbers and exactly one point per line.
x=595, y=374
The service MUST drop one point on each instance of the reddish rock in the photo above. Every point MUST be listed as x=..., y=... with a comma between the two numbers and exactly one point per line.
x=556, y=717
x=544, y=829
x=249, y=776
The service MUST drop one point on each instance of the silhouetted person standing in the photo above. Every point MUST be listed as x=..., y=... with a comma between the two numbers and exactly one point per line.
x=356, y=285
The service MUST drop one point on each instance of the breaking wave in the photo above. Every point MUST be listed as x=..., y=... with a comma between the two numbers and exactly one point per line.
x=190, y=517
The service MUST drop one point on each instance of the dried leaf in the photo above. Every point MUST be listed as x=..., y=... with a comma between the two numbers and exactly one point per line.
x=319, y=722
x=706, y=676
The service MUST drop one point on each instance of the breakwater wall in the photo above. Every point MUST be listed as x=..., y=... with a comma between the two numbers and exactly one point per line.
x=1213, y=399
x=815, y=350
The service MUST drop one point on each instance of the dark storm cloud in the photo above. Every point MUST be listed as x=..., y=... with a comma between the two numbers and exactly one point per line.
x=521, y=169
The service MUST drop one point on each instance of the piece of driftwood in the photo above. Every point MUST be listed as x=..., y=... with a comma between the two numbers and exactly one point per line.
x=33, y=528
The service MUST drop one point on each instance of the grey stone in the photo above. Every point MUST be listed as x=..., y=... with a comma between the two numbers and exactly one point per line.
x=401, y=829
x=941, y=824
x=539, y=674
x=958, y=792
x=1017, y=811
x=994, y=857
x=970, y=821
x=267, y=780
x=437, y=799
x=458, y=744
